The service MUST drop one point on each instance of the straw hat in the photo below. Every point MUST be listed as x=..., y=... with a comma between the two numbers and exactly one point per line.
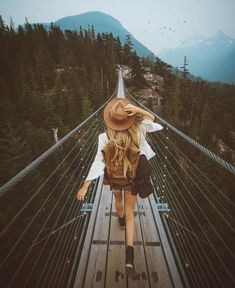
x=114, y=115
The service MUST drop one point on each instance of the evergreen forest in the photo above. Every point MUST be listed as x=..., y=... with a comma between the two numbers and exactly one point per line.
x=52, y=78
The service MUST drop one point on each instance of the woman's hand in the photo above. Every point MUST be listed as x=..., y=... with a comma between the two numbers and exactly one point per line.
x=131, y=109
x=83, y=191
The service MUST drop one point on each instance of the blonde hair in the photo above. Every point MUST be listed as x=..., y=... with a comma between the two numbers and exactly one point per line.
x=123, y=143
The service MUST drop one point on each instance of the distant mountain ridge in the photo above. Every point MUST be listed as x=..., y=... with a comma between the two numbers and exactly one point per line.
x=102, y=23
x=211, y=58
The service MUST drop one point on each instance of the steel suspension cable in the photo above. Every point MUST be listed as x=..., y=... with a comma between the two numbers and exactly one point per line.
x=57, y=238
x=38, y=236
x=204, y=233
x=176, y=207
x=202, y=192
x=174, y=147
x=19, y=176
x=164, y=184
x=38, y=191
x=68, y=246
x=206, y=217
x=30, y=200
x=88, y=148
x=206, y=151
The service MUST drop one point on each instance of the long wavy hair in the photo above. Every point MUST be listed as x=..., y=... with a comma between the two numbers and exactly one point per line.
x=124, y=143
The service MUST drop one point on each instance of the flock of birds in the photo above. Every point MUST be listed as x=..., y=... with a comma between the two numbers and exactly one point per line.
x=164, y=30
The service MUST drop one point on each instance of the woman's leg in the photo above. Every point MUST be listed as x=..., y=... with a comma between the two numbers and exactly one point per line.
x=118, y=203
x=130, y=201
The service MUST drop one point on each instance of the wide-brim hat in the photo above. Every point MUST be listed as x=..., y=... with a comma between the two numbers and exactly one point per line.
x=114, y=115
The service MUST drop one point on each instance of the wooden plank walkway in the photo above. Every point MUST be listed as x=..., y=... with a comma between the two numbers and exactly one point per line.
x=102, y=261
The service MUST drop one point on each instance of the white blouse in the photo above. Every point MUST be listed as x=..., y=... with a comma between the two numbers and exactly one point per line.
x=97, y=167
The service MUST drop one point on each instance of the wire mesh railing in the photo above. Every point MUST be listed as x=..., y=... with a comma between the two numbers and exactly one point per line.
x=42, y=222
x=42, y=219
x=199, y=193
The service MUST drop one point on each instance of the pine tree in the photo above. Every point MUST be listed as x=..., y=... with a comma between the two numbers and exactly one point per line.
x=127, y=51
x=14, y=152
x=185, y=70
x=137, y=72
x=158, y=67
x=118, y=50
x=172, y=94
x=86, y=106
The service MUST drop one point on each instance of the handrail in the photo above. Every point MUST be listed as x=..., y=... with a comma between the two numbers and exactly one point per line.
x=200, y=147
x=20, y=175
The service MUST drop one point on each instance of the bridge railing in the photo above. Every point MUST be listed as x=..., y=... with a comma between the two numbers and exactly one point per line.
x=199, y=194
x=41, y=219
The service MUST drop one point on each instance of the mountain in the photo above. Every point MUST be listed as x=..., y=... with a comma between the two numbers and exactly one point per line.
x=102, y=23
x=211, y=58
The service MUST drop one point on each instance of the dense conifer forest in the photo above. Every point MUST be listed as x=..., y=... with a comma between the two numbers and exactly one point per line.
x=51, y=78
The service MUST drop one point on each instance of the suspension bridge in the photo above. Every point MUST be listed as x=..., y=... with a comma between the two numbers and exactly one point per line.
x=184, y=234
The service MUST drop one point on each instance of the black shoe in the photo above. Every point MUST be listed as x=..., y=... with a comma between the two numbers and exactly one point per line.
x=130, y=268
x=122, y=222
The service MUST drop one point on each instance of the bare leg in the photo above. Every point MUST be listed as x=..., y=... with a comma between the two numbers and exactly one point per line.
x=119, y=203
x=130, y=201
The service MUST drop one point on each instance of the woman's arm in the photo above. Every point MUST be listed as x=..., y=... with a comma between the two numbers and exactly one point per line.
x=96, y=169
x=132, y=110
x=83, y=190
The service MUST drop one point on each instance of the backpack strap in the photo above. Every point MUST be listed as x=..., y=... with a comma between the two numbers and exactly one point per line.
x=106, y=151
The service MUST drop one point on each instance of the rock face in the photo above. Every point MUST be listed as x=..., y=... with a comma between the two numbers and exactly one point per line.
x=152, y=99
x=149, y=96
x=126, y=71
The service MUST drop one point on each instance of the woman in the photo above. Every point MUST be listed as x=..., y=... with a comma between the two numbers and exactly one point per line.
x=127, y=126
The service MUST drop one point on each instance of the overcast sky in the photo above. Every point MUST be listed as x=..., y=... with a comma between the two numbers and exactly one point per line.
x=142, y=18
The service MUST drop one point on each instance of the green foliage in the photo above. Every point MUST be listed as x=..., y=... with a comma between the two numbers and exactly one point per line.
x=14, y=152
x=48, y=79
x=86, y=106
x=173, y=102
x=53, y=79
x=137, y=72
x=201, y=109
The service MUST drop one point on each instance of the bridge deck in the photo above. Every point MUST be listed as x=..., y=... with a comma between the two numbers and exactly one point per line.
x=102, y=262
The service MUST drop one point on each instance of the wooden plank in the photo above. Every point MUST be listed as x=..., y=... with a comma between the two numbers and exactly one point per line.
x=139, y=256
x=115, y=273
x=157, y=267
x=87, y=243
x=95, y=275
x=166, y=247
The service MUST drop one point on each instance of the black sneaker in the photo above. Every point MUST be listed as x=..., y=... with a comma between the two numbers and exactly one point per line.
x=122, y=222
x=130, y=268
